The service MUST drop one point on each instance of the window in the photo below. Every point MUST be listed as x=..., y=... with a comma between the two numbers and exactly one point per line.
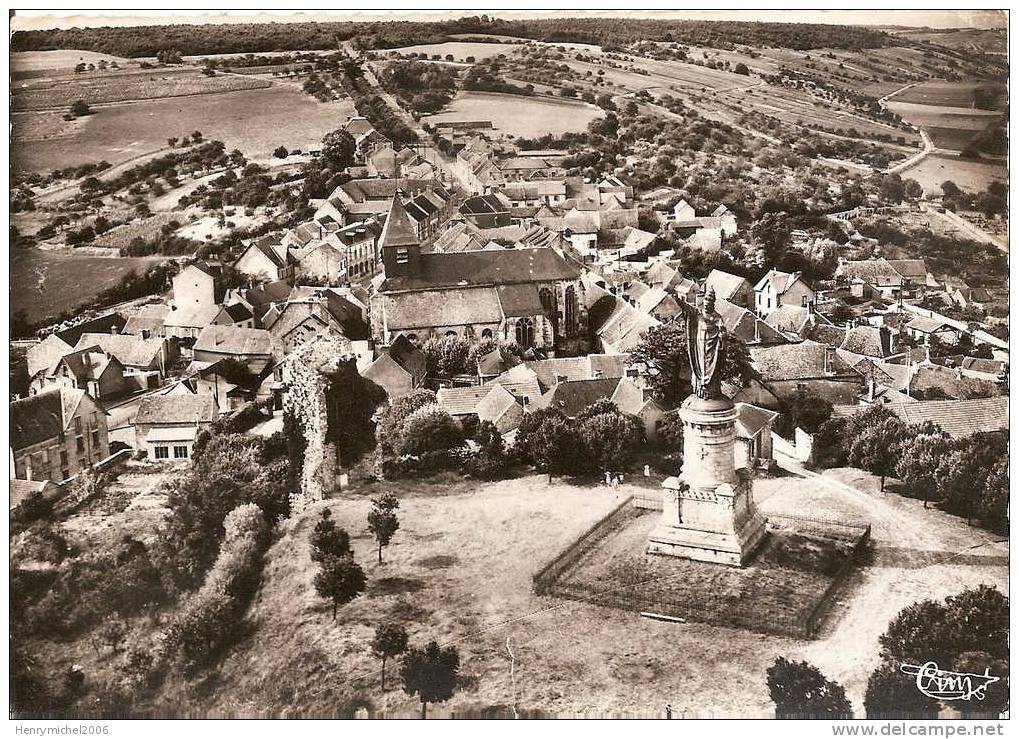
x=95, y=439
x=63, y=459
x=80, y=444
x=180, y=452
x=77, y=424
x=525, y=332
x=486, y=334
x=162, y=452
x=402, y=256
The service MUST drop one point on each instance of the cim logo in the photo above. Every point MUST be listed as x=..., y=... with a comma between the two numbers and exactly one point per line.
x=946, y=685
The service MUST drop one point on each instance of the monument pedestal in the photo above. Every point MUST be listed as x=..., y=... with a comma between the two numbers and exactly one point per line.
x=708, y=514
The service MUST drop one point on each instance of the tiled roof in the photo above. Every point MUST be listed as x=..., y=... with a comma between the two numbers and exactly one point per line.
x=40, y=417
x=724, y=284
x=453, y=306
x=148, y=318
x=458, y=401
x=877, y=272
x=780, y=281
x=826, y=333
x=788, y=318
x=233, y=340
x=927, y=325
x=184, y=408
x=802, y=361
x=237, y=312
x=102, y=325
x=519, y=300
x=957, y=418
x=752, y=419
x=476, y=268
x=573, y=397
x=911, y=269
x=407, y=355
x=866, y=340
x=623, y=330
x=131, y=351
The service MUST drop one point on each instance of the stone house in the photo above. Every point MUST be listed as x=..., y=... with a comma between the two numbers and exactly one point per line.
x=41, y=356
x=90, y=369
x=266, y=257
x=57, y=433
x=166, y=426
x=753, y=435
x=779, y=288
x=196, y=296
x=399, y=369
x=809, y=366
x=251, y=346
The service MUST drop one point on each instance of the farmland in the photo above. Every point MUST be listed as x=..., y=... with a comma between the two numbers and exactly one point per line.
x=518, y=115
x=255, y=121
x=950, y=127
x=33, y=64
x=46, y=283
x=459, y=49
x=969, y=175
x=60, y=92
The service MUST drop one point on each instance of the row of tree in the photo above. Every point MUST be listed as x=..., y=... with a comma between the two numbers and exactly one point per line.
x=967, y=477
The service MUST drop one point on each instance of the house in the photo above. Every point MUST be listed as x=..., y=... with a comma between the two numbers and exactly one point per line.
x=535, y=193
x=495, y=402
x=732, y=288
x=266, y=258
x=299, y=321
x=196, y=297
x=57, y=433
x=151, y=356
x=236, y=314
x=957, y=418
x=753, y=435
x=533, y=296
x=228, y=387
x=747, y=326
x=90, y=369
x=166, y=426
x=923, y=329
x=399, y=369
x=791, y=321
x=41, y=356
x=427, y=211
x=147, y=320
x=624, y=328
x=877, y=273
x=487, y=211
x=359, y=243
x=809, y=366
x=869, y=341
x=24, y=490
x=779, y=288
x=252, y=346
x=495, y=362
x=635, y=400
x=360, y=199
x=574, y=396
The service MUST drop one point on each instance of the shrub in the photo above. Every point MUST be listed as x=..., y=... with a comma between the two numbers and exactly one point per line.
x=209, y=620
x=430, y=429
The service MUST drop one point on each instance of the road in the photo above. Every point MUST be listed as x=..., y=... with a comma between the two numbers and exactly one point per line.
x=68, y=190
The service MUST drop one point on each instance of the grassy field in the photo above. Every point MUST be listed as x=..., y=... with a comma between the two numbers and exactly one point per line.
x=459, y=49
x=254, y=121
x=114, y=87
x=969, y=175
x=46, y=283
x=518, y=115
x=30, y=64
x=949, y=94
x=950, y=127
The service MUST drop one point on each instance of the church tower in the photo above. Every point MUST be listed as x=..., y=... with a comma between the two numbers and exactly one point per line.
x=399, y=243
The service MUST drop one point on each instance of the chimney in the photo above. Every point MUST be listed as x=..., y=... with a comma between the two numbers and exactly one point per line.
x=870, y=388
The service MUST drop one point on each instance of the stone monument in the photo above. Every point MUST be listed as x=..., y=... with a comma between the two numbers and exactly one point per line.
x=708, y=513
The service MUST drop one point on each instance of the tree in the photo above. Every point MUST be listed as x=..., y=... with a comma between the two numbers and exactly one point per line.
x=431, y=673
x=799, y=690
x=172, y=141
x=876, y=447
x=446, y=356
x=338, y=149
x=389, y=431
x=430, y=429
x=340, y=579
x=741, y=68
x=550, y=441
x=328, y=539
x=893, y=189
x=382, y=520
x=390, y=640
x=80, y=108
x=610, y=438
x=772, y=231
x=806, y=411
x=922, y=458
x=280, y=152
x=891, y=694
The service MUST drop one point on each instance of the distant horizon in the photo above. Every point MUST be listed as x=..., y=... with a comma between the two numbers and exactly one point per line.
x=913, y=19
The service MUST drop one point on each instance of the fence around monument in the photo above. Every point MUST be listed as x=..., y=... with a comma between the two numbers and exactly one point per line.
x=549, y=579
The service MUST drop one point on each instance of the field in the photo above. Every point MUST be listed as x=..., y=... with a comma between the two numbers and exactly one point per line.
x=459, y=49
x=31, y=64
x=46, y=283
x=969, y=175
x=114, y=87
x=949, y=94
x=254, y=121
x=518, y=115
x=950, y=127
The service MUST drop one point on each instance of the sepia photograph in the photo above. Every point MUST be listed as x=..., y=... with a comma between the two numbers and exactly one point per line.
x=509, y=364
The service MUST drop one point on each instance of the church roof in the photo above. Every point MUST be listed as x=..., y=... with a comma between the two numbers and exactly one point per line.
x=478, y=268
x=399, y=230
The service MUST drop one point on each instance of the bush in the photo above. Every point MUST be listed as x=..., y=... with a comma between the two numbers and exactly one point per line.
x=430, y=429
x=208, y=623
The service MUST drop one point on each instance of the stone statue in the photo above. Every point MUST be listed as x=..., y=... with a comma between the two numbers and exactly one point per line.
x=705, y=344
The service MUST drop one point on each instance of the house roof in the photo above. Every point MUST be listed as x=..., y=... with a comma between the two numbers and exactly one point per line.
x=987, y=366
x=237, y=312
x=477, y=268
x=626, y=325
x=21, y=490
x=802, y=361
x=780, y=281
x=85, y=364
x=166, y=409
x=130, y=350
x=399, y=230
x=107, y=324
x=957, y=418
x=912, y=269
x=752, y=419
x=788, y=318
x=43, y=416
x=233, y=340
x=866, y=340
x=826, y=333
x=497, y=361
x=493, y=405
x=724, y=284
x=403, y=351
x=459, y=401
x=147, y=318
x=629, y=398
x=264, y=245
x=573, y=397
x=877, y=272
x=453, y=306
x=483, y=204
x=928, y=325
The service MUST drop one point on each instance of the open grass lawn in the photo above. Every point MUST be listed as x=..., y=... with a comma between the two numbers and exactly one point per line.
x=948, y=94
x=972, y=176
x=135, y=84
x=47, y=283
x=25, y=64
x=254, y=121
x=518, y=115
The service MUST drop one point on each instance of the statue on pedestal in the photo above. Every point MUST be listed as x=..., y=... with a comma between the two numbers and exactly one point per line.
x=705, y=345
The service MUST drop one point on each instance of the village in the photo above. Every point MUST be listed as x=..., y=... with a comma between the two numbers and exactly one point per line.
x=476, y=377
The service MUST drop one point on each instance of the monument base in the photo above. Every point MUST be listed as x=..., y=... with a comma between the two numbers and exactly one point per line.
x=730, y=548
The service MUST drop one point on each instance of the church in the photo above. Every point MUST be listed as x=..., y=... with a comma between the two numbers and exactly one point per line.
x=533, y=297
